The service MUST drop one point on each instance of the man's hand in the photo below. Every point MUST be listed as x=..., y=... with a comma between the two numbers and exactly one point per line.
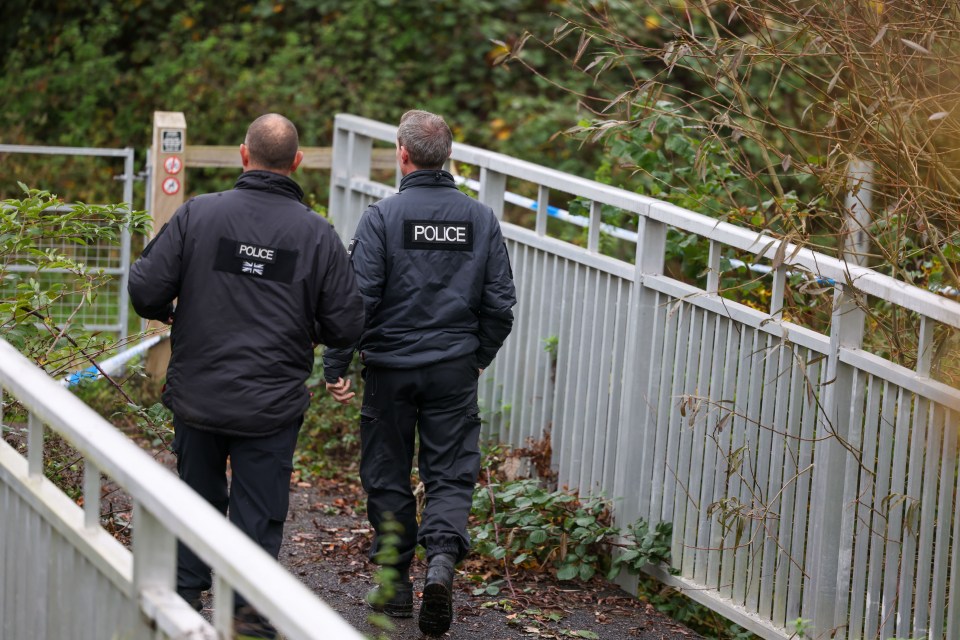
x=340, y=390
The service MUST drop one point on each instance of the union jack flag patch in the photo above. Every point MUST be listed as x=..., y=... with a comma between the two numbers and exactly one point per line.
x=255, y=268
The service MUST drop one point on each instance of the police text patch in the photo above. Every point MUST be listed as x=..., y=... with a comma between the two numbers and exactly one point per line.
x=249, y=251
x=257, y=261
x=438, y=235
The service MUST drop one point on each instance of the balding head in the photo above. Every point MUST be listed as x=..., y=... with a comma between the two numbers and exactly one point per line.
x=271, y=144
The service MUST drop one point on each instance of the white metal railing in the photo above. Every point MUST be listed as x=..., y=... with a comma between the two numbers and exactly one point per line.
x=111, y=314
x=838, y=466
x=63, y=576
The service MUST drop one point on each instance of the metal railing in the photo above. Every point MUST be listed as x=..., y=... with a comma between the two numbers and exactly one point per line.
x=804, y=476
x=63, y=576
x=111, y=313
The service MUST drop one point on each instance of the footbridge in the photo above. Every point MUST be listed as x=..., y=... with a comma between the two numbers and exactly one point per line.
x=810, y=478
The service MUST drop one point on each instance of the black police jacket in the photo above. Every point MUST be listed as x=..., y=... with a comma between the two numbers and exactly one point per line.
x=435, y=278
x=260, y=280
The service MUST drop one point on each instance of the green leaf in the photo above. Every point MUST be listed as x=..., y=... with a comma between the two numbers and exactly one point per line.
x=567, y=572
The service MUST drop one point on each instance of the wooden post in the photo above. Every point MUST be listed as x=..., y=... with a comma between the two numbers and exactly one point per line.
x=166, y=194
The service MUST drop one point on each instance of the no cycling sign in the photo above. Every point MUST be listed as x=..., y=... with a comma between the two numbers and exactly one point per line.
x=170, y=186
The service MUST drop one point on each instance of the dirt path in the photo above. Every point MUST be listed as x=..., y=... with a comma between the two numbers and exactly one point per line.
x=325, y=545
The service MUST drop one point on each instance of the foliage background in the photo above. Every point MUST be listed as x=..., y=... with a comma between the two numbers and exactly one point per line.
x=91, y=74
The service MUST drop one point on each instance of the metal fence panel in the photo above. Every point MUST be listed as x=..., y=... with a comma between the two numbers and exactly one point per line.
x=805, y=477
x=110, y=312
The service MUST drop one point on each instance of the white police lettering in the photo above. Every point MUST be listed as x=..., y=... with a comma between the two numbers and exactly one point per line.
x=249, y=251
x=437, y=233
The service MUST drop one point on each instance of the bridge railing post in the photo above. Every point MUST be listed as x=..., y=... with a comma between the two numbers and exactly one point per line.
x=493, y=188
x=167, y=186
x=824, y=552
x=638, y=425
x=352, y=156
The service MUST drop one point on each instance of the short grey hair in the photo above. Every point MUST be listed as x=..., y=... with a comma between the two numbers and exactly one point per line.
x=426, y=137
x=273, y=142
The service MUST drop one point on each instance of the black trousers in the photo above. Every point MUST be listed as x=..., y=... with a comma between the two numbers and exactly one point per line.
x=440, y=403
x=259, y=493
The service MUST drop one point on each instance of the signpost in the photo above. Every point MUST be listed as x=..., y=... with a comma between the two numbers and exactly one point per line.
x=166, y=161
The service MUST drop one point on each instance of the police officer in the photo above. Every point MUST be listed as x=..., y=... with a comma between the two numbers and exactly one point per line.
x=436, y=283
x=260, y=279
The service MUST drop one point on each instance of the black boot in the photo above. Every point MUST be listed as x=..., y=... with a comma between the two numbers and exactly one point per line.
x=399, y=606
x=436, y=612
x=247, y=623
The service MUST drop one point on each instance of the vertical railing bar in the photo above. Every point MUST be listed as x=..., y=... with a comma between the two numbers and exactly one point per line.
x=925, y=346
x=154, y=551
x=778, y=291
x=894, y=537
x=775, y=480
x=928, y=516
x=123, y=303
x=548, y=414
x=801, y=532
x=746, y=570
x=919, y=424
x=649, y=412
x=614, y=422
x=596, y=414
x=493, y=186
x=223, y=604
x=662, y=408
x=690, y=465
x=526, y=353
x=590, y=397
x=514, y=381
x=945, y=505
x=855, y=438
x=953, y=602
x=770, y=362
x=543, y=210
x=864, y=393
x=694, y=553
x=593, y=234
x=713, y=268
x=678, y=445
x=737, y=431
x=572, y=388
x=711, y=418
x=791, y=445
x=563, y=368
x=34, y=445
x=91, y=494
x=878, y=525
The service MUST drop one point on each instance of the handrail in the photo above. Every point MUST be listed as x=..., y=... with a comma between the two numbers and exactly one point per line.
x=238, y=562
x=759, y=244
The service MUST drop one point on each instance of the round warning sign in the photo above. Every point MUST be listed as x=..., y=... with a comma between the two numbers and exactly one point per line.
x=173, y=164
x=170, y=186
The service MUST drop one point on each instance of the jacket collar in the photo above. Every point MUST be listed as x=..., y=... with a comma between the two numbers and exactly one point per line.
x=271, y=182
x=427, y=178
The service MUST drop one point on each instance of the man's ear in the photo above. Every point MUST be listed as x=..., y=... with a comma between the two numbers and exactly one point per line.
x=296, y=161
x=244, y=156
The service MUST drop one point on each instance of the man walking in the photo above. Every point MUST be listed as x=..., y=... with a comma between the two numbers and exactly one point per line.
x=436, y=283
x=260, y=279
